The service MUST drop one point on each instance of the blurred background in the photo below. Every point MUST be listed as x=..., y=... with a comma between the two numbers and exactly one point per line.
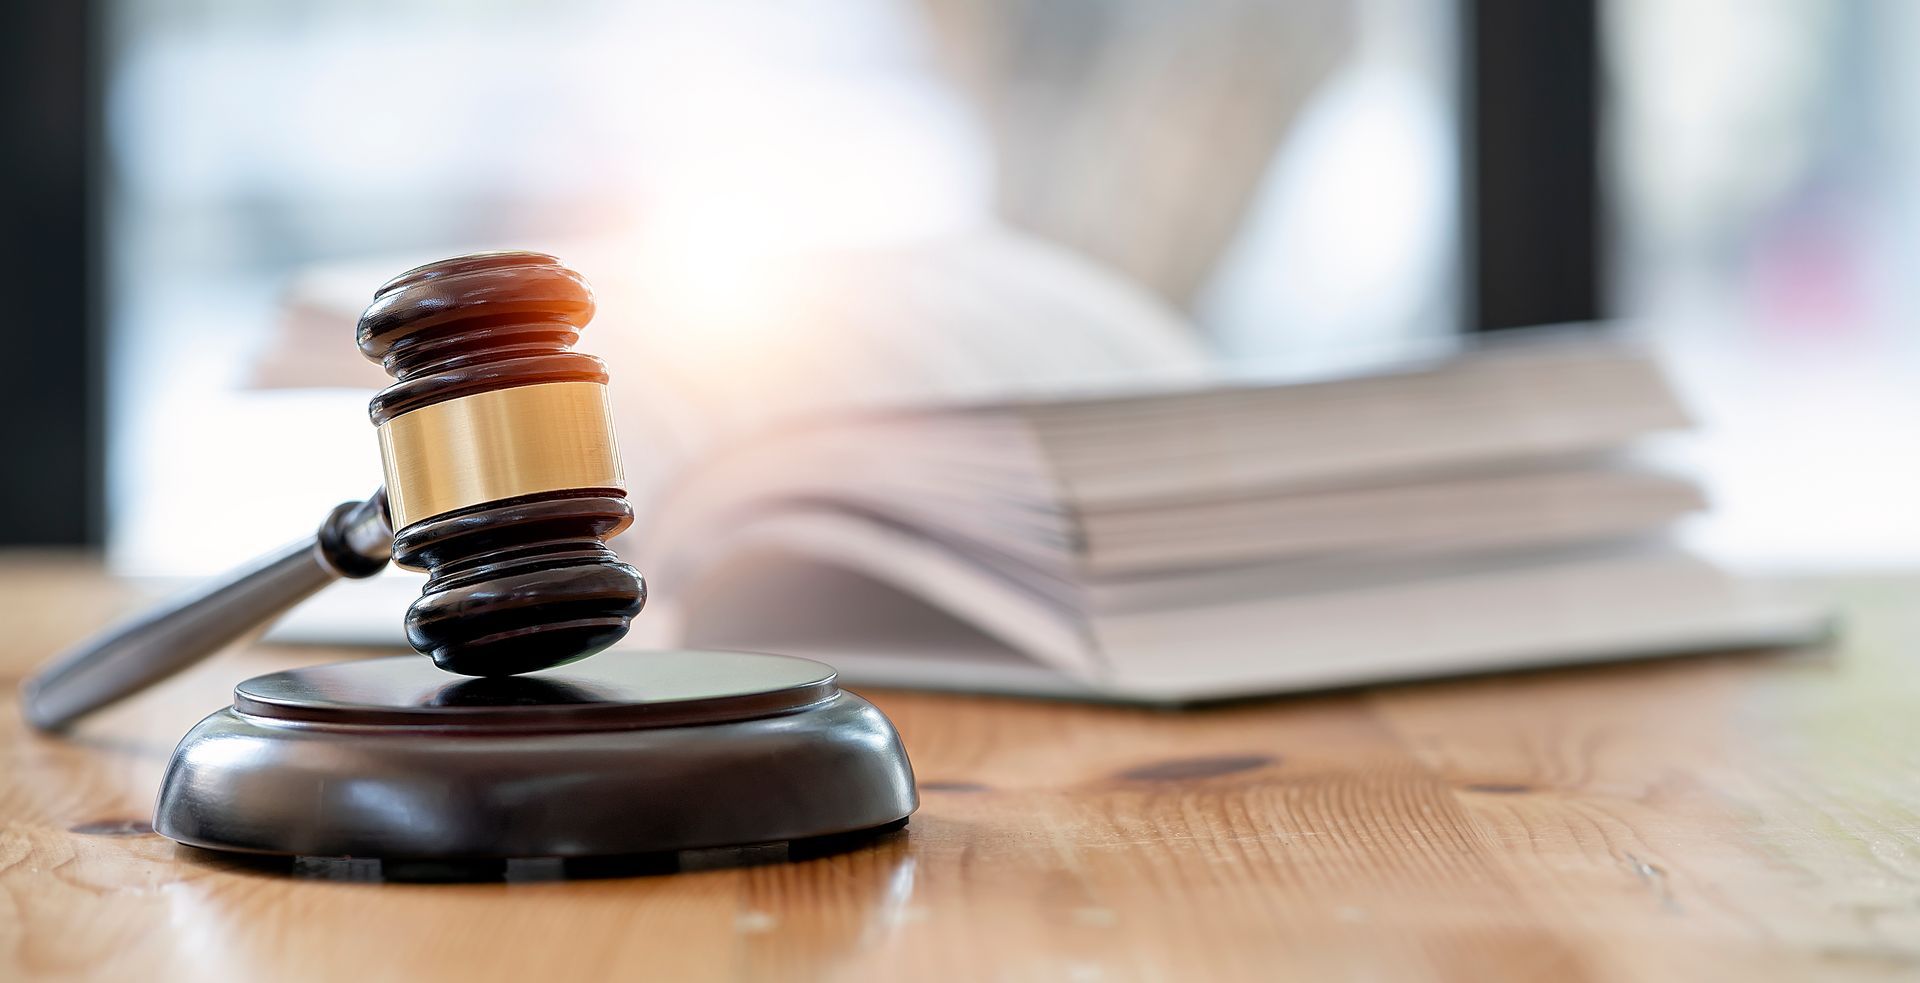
x=199, y=193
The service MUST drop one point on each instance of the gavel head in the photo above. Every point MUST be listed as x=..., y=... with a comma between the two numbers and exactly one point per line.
x=503, y=480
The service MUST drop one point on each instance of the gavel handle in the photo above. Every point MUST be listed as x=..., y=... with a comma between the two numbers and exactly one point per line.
x=354, y=541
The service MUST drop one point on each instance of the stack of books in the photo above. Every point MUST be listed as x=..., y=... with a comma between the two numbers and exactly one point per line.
x=1477, y=514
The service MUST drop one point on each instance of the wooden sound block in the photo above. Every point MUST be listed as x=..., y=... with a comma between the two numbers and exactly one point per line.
x=628, y=753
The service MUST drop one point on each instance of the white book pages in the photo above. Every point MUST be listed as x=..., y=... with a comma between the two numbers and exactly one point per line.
x=1644, y=602
x=769, y=581
x=1003, y=525
x=367, y=612
x=1518, y=507
x=1470, y=453
x=1530, y=402
x=969, y=478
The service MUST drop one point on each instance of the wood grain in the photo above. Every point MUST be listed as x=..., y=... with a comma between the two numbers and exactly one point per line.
x=1742, y=817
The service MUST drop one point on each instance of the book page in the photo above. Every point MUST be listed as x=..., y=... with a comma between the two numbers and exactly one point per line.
x=1584, y=606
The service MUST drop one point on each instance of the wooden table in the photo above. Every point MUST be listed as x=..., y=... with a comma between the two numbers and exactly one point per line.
x=1734, y=817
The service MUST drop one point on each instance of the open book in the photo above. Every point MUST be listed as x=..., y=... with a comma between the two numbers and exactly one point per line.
x=1167, y=536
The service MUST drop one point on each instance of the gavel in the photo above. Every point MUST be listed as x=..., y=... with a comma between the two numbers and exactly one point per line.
x=503, y=483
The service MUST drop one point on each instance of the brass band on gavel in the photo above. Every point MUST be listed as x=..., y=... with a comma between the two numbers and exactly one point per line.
x=497, y=445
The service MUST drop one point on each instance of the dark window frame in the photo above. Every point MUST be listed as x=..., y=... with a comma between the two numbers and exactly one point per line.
x=52, y=401
x=1530, y=196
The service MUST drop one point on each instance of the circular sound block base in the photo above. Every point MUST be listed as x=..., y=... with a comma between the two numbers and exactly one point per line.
x=625, y=753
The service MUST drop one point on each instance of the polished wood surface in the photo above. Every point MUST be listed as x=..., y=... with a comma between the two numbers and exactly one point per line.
x=1734, y=817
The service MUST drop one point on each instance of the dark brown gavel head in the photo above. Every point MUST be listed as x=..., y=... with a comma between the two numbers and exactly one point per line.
x=503, y=480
